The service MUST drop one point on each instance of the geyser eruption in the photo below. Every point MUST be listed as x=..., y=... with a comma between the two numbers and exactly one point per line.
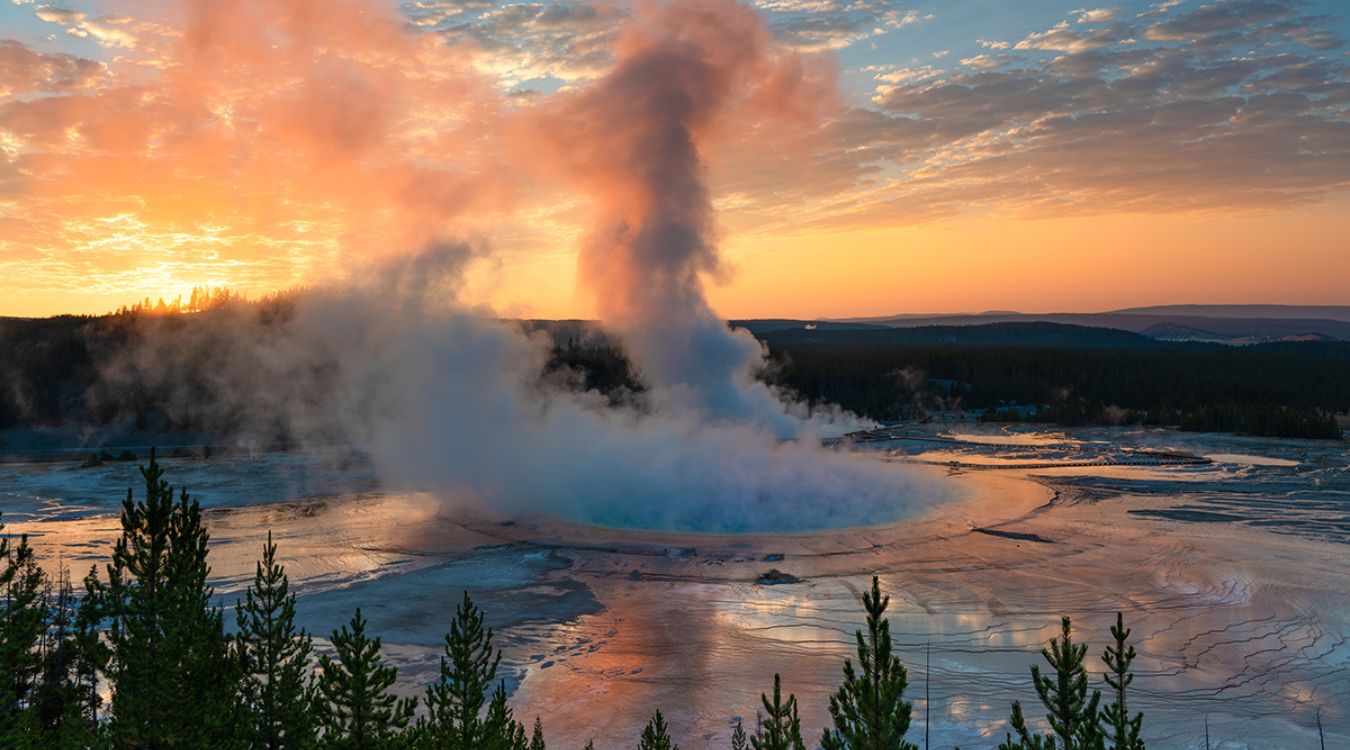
x=448, y=398
x=631, y=141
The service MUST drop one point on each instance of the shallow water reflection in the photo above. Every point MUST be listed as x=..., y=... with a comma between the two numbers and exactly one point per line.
x=603, y=626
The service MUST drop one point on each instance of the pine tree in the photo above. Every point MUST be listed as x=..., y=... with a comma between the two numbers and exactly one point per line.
x=781, y=729
x=455, y=718
x=869, y=709
x=500, y=730
x=537, y=738
x=57, y=713
x=169, y=657
x=738, y=739
x=655, y=736
x=1073, y=716
x=65, y=700
x=277, y=686
x=1123, y=730
x=356, y=710
x=56, y=699
x=22, y=623
x=92, y=654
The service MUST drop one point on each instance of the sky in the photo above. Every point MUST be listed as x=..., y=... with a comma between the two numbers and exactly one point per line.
x=948, y=156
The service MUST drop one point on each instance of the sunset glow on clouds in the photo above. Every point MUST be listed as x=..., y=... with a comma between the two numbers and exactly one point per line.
x=938, y=156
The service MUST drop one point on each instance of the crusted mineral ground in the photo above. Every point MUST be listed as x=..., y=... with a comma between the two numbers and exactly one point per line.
x=1234, y=574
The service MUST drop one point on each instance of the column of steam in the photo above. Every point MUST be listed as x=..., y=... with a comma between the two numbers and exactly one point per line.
x=631, y=140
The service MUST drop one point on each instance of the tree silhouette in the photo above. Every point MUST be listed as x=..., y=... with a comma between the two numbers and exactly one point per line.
x=869, y=709
x=356, y=709
x=1072, y=714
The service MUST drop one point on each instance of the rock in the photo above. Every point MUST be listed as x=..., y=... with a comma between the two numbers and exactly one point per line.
x=776, y=577
x=774, y=557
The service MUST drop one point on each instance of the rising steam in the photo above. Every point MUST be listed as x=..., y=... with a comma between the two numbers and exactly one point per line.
x=450, y=399
x=632, y=142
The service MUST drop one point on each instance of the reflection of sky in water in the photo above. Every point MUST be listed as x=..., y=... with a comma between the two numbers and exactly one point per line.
x=1249, y=460
x=1015, y=437
x=231, y=480
x=1287, y=486
x=1251, y=630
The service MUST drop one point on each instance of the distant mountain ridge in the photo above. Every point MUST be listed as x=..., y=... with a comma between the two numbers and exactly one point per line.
x=1228, y=324
x=1315, y=312
x=1037, y=334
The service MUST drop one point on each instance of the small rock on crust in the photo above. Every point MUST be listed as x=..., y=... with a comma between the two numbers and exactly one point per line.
x=776, y=577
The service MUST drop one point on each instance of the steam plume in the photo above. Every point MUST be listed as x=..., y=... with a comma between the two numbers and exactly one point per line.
x=450, y=399
x=632, y=141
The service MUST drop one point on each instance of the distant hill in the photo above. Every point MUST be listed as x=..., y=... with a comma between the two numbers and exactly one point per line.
x=1315, y=312
x=759, y=326
x=1168, y=331
x=1172, y=323
x=1036, y=334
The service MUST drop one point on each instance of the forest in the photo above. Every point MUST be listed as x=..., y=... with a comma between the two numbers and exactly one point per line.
x=93, y=371
x=1273, y=390
x=142, y=657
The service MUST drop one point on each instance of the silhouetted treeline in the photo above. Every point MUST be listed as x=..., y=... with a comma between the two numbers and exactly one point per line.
x=1266, y=420
x=1276, y=390
x=55, y=371
x=201, y=299
x=1262, y=419
x=595, y=364
x=97, y=370
x=141, y=659
x=46, y=366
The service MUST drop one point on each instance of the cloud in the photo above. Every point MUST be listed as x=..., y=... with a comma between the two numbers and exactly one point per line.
x=815, y=26
x=375, y=129
x=518, y=42
x=23, y=70
x=1219, y=17
x=1064, y=38
x=109, y=31
x=55, y=14
x=572, y=41
x=1103, y=126
x=1230, y=23
x=1099, y=15
x=239, y=162
x=984, y=62
x=1159, y=9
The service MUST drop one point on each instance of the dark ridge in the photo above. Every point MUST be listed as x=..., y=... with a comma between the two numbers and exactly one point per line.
x=760, y=326
x=1184, y=514
x=1233, y=330
x=1037, y=334
x=1328, y=349
x=1018, y=535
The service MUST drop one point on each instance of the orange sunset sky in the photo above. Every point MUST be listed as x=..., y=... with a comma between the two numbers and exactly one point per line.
x=942, y=156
